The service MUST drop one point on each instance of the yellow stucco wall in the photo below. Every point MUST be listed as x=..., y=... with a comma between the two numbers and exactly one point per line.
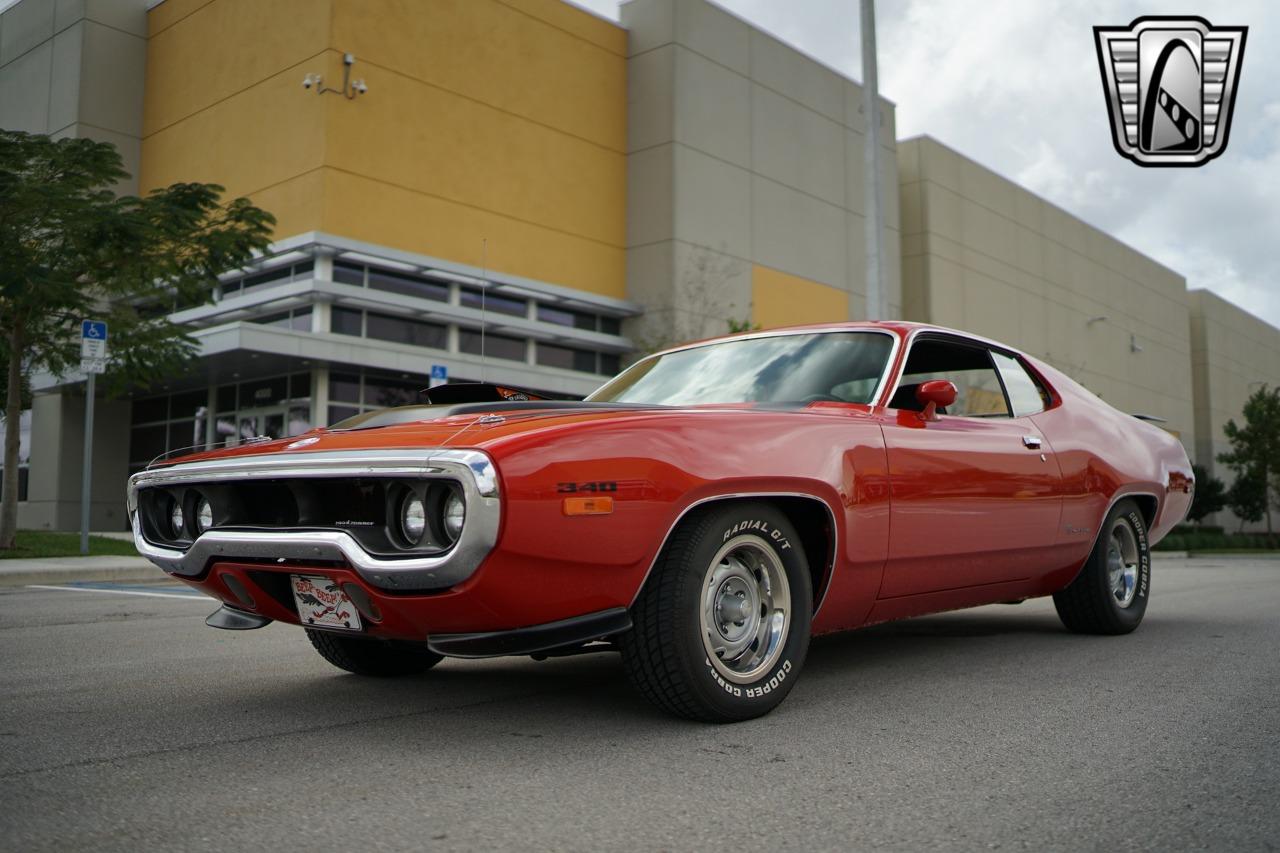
x=496, y=119
x=782, y=299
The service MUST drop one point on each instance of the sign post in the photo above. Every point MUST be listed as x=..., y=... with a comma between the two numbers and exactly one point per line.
x=93, y=360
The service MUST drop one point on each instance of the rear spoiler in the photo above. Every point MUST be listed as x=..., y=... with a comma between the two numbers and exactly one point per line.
x=1150, y=418
x=477, y=392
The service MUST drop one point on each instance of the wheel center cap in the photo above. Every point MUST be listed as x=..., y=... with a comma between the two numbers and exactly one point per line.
x=735, y=607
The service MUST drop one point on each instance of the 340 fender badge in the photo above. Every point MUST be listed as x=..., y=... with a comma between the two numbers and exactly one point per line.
x=302, y=442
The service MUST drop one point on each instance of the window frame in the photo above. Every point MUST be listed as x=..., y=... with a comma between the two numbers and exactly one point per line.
x=970, y=343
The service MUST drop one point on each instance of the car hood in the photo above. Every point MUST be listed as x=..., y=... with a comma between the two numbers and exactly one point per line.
x=477, y=427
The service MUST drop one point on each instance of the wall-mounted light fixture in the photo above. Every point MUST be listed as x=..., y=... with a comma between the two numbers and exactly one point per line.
x=350, y=88
x=1101, y=318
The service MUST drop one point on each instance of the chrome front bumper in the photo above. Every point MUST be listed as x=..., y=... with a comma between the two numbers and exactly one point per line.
x=472, y=469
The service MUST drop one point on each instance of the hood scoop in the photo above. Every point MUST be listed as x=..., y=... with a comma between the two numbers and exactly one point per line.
x=477, y=392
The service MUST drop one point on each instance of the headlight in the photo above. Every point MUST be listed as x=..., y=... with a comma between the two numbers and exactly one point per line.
x=455, y=513
x=413, y=519
x=176, y=519
x=204, y=515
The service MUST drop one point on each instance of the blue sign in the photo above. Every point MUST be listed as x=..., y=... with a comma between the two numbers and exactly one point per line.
x=439, y=371
x=93, y=330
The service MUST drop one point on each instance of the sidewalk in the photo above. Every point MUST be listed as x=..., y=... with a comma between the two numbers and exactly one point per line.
x=57, y=570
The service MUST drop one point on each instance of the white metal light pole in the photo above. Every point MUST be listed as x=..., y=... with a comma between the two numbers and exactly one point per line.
x=877, y=307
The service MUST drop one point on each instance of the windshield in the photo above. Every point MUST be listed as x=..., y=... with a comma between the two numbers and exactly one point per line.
x=838, y=366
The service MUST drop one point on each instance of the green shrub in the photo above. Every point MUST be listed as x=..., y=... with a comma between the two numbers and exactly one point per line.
x=1187, y=538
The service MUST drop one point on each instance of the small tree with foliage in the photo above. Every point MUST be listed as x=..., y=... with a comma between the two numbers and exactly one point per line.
x=1211, y=495
x=1247, y=498
x=71, y=249
x=1255, y=448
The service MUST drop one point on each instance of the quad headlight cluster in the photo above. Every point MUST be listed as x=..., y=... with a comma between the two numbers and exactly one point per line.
x=189, y=515
x=431, y=516
x=387, y=517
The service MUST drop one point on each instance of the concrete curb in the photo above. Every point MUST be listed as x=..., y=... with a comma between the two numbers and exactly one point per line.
x=59, y=571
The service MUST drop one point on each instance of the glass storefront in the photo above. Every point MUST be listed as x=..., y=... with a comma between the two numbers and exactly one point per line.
x=275, y=406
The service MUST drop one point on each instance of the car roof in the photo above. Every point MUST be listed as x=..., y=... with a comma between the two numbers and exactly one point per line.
x=899, y=328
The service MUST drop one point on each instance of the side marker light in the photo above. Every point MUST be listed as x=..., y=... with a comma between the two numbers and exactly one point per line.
x=588, y=506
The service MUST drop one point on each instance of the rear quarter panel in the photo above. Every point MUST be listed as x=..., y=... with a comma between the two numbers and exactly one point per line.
x=1106, y=454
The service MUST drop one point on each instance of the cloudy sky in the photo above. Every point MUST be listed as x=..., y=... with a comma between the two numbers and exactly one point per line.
x=1014, y=84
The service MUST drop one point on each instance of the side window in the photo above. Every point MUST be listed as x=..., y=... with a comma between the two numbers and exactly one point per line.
x=979, y=393
x=1024, y=392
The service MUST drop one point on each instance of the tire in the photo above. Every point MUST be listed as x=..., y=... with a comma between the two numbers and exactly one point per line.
x=1110, y=594
x=364, y=656
x=741, y=568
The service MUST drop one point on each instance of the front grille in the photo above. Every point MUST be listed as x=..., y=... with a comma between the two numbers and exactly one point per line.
x=366, y=508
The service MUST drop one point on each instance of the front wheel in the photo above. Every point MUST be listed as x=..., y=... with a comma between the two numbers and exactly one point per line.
x=1109, y=596
x=721, y=627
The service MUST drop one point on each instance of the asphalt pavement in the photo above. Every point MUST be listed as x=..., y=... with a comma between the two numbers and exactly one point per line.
x=126, y=724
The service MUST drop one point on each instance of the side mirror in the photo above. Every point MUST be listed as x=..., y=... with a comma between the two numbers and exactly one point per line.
x=935, y=393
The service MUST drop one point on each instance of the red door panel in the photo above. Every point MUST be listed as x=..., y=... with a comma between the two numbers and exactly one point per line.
x=971, y=502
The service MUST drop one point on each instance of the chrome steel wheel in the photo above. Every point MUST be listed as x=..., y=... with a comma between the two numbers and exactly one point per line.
x=1122, y=562
x=746, y=609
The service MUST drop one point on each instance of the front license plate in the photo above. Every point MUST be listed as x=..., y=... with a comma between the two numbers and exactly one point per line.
x=322, y=603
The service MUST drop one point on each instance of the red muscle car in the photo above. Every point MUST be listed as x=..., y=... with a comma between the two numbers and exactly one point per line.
x=704, y=513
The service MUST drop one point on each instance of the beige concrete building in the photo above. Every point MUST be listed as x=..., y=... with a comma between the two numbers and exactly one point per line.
x=744, y=176
x=76, y=68
x=983, y=254
x=1233, y=353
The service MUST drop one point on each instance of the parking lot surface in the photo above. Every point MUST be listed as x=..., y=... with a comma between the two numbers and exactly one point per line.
x=127, y=724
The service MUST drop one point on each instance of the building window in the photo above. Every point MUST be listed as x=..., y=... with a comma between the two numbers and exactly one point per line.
x=565, y=317
x=584, y=361
x=276, y=406
x=353, y=393
x=401, y=330
x=346, y=321
x=264, y=392
x=566, y=358
x=299, y=319
x=280, y=275
x=345, y=273
x=407, y=285
x=344, y=387
x=495, y=346
x=341, y=413
x=471, y=297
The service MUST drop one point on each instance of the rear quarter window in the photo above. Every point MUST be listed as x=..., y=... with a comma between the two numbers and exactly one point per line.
x=1025, y=394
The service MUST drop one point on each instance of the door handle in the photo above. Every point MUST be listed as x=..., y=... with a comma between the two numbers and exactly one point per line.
x=1032, y=442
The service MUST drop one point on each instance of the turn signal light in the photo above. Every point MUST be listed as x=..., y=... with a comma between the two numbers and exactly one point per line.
x=588, y=506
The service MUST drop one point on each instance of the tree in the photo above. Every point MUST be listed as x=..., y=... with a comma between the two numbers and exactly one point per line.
x=71, y=249
x=1247, y=498
x=1255, y=450
x=1211, y=495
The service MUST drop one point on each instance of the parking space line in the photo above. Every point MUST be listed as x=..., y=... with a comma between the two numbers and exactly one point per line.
x=203, y=599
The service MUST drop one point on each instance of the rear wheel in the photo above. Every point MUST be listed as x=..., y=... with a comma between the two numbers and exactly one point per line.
x=1109, y=596
x=721, y=627
x=366, y=656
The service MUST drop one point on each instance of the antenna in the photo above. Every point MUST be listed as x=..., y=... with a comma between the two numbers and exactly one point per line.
x=484, y=290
